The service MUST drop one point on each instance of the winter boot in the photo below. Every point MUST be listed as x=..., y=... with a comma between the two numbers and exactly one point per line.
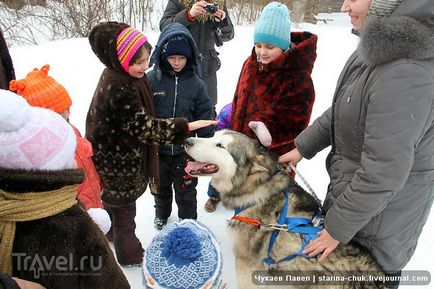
x=129, y=251
x=159, y=223
x=211, y=204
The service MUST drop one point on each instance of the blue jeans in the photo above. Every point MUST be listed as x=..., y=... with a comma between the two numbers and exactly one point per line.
x=212, y=192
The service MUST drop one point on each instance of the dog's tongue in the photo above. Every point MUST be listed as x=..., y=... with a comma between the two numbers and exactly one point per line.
x=194, y=167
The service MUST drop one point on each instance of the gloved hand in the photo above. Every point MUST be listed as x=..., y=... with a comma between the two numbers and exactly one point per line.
x=101, y=218
x=261, y=132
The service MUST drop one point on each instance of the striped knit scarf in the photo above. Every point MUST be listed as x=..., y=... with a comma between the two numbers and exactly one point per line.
x=22, y=207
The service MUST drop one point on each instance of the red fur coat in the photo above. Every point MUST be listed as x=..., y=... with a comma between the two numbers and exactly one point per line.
x=280, y=94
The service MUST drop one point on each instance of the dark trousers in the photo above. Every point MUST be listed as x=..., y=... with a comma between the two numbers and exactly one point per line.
x=172, y=173
x=213, y=193
x=128, y=248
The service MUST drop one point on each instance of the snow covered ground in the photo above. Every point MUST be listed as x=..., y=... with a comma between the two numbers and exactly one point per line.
x=75, y=66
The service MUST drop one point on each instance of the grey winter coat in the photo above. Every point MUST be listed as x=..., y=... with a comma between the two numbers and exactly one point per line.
x=204, y=36
x=381, y=132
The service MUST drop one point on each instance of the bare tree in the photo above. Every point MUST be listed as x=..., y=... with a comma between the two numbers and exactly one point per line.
x=298, y=10
x=25, y=23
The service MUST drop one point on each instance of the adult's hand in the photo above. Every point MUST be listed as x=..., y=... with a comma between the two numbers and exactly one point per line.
x=292, y=157
x=324, y=245
x=194, y=125
x=24, y=284
x=197, y=8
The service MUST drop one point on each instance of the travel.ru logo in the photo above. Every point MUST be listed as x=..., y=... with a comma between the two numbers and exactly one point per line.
x=57, y=265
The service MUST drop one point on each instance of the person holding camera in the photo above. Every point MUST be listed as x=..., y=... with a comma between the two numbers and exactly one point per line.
x=210, y=25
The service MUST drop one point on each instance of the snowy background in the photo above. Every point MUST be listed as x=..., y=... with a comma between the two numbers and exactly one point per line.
x=74, y=65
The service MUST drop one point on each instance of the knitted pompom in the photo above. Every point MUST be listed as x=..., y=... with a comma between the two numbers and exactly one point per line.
x=14, y=111
x=101, y=218
x=183, y=255
x=17, y=86
x=44, y=70
x=181, y=247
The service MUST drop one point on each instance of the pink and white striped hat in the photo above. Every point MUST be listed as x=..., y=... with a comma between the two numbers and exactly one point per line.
x=33, y=137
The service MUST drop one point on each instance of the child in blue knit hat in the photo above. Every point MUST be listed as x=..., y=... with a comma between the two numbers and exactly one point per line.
x=275, y=85
x=183, y=255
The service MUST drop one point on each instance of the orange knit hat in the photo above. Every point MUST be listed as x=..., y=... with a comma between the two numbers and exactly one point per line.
x=42, y=90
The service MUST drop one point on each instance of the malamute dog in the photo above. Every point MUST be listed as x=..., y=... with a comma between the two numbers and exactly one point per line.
x=249, y=180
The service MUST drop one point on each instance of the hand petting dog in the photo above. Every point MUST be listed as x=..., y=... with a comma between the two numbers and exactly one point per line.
x=324, y=245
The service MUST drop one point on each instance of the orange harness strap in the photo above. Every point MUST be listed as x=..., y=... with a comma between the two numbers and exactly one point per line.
x=252, y=222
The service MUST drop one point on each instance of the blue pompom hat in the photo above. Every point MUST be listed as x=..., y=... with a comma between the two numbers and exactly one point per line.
x=274, y=26
x=184, y=255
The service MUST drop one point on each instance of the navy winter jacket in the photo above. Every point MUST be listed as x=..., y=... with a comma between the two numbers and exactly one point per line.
x=179, y=94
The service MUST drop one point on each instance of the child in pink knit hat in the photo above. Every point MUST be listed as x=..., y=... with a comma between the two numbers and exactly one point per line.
x=46, y=237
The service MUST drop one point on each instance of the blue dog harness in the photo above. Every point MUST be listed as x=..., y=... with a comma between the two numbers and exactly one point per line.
x=303, y=226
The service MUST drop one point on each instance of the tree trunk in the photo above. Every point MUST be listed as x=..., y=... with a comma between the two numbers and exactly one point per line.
x=298, y=10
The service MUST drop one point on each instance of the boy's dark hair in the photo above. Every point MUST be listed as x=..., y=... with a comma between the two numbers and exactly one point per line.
x=139, y=52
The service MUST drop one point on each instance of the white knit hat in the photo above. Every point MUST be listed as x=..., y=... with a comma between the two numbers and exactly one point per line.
x=183, y=255
x=33, y=137
x=381, y=8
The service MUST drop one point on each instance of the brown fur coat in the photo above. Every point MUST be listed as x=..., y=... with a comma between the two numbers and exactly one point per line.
x=64, y=251
x=122, y=127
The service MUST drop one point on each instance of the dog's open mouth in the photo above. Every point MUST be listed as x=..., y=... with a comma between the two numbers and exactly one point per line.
x=200, y=169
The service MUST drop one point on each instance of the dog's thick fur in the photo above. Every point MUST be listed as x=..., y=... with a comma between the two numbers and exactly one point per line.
x=246, y=174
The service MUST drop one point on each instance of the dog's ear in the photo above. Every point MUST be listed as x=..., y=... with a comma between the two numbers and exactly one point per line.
x=259, y=163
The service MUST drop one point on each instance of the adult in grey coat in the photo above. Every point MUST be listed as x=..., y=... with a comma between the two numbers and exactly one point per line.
x=208, y=30
x=381, y=132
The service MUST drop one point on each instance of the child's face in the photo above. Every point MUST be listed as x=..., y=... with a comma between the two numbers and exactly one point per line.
x=267, y=53
x=139, y=67
x=177, y=62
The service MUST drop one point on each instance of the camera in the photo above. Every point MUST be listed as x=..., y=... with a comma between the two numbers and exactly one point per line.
x=211, y=7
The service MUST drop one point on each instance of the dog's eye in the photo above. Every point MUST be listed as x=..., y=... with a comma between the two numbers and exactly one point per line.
x=220, y=145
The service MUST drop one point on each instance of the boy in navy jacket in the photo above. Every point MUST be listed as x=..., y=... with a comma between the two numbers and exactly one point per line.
x=178, y=92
